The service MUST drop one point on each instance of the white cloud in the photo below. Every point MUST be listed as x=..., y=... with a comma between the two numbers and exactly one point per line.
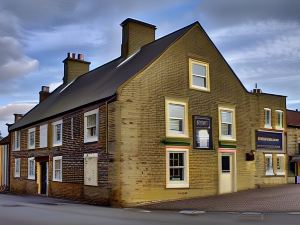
x=53, y=86
x=7, y=111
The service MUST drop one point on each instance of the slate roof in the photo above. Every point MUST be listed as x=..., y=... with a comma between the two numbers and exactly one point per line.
x=4, y=141
x=293, y=118
x=98, y=84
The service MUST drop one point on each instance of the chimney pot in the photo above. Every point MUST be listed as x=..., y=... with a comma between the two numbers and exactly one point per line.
x=45, y=89
x=81, y=57
x=69, y=55
x=18, y=116
x=73, y=56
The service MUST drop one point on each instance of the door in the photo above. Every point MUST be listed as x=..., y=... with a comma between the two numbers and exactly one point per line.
x=226, y=173
x=44, y=178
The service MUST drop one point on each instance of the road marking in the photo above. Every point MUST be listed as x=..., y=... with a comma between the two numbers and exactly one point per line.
x=191, y=212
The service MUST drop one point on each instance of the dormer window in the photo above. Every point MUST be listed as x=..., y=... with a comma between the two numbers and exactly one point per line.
x=199, y=75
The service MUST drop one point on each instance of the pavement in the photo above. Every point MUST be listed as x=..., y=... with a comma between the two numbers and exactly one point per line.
x=33, y=210
x=283, y=198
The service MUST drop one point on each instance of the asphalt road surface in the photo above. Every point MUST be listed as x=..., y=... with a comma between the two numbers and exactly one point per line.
x=28, y=210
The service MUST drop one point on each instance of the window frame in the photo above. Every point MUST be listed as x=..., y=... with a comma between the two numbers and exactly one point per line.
x=185, y=182
x=233, y=125
x=31, y=176
x=281, y=172
x=54, y=140
x=269, y=125
x=56, y=158
x=46, y=135
x=279, y=112
x=31, y=130
x=185, y=129
x=15, y=140
x=94, y=138
x=195, y=87
x=272, y=165
x=17, y=174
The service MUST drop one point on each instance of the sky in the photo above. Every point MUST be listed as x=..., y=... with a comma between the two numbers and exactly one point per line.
x=259, y=39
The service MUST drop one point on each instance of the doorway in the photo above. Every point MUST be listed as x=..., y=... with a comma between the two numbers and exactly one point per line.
x=43, y=178
x=227, y=172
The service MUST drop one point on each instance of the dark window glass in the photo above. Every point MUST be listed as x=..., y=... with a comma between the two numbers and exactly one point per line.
x=225, y=164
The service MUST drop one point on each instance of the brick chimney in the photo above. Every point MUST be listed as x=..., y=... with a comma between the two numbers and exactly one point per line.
x=44, y=93
x=74, y=67
x=135, y=34
x=18, y=116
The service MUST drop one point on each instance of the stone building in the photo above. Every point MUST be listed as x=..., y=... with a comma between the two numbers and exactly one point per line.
x=293, y=145
x=168, y=119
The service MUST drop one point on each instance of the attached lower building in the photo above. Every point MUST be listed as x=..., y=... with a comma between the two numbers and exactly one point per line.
x=168, y=119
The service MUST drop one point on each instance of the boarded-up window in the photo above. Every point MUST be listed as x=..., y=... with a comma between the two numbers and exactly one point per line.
x=43, y=136
x=91, y=169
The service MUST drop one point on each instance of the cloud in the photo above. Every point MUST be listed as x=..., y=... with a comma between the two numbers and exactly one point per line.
x=7, y=111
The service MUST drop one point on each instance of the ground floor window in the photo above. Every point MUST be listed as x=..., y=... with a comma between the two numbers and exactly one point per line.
x=177, y=168
x=57, y=168
x=91, y=169
x=269, y=165
x=280, y=168
x=17, y=167
x=31, y=168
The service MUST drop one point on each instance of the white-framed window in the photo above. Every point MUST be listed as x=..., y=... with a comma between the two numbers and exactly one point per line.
x=91, y=169
x=91, y=126
x=44, y=136
x=176, y=118
x=57, y=168
x=31, y=168
x=280, y=168
x=17, y=140
x=227, y=123
x=268, y=116
x=199, y=75
x=31, y=138
x=177, y=165
x=57, y=128
x=269, y=165
x=279, y=119
x=17, y=167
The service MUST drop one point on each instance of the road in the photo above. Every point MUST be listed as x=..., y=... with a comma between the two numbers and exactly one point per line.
x=28, y=210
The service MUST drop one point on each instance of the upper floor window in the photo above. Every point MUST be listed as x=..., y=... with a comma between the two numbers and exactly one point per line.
x=57, y=133
x=17, y=140
x=91, y=126
x=199, y=75
x=176, y=118
x=31, y=138
x=31, y=168
x=279, y=117
x=268, y=114
x=43, y=136
x=227, y=124
x=17, y=167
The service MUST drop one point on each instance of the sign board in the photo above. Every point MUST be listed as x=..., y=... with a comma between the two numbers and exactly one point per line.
x=269, y=141
x=202, y=132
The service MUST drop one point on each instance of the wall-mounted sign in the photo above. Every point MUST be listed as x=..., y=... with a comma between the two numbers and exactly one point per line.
x=202, y=132
x=269, y=141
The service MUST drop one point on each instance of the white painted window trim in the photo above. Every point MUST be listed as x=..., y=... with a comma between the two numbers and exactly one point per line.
x=17, y=174
x=233, y=127
x=45, y=126
x=169, y=133
x=185, y=182
x=268, y=125
x=280, y=112
x=268, y=173
x=53, y=174
x=34, y=141
x=207, y=77
x=95, y=138
x=31, y=177
x=282, y=172
x=17, y=141
x=54, y=141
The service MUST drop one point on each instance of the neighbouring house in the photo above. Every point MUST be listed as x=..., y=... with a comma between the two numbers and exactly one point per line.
x=293, y=145
x=168, y=119
x=4, y=164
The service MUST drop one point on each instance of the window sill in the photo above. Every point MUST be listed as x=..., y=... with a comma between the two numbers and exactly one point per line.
x=182, y=185
x=177, y=136
x=227, y=139
x=31, y=178
x=91, y=185
x=57, y=180
x=56, y=145
x=200, y=89
x=90, y=141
